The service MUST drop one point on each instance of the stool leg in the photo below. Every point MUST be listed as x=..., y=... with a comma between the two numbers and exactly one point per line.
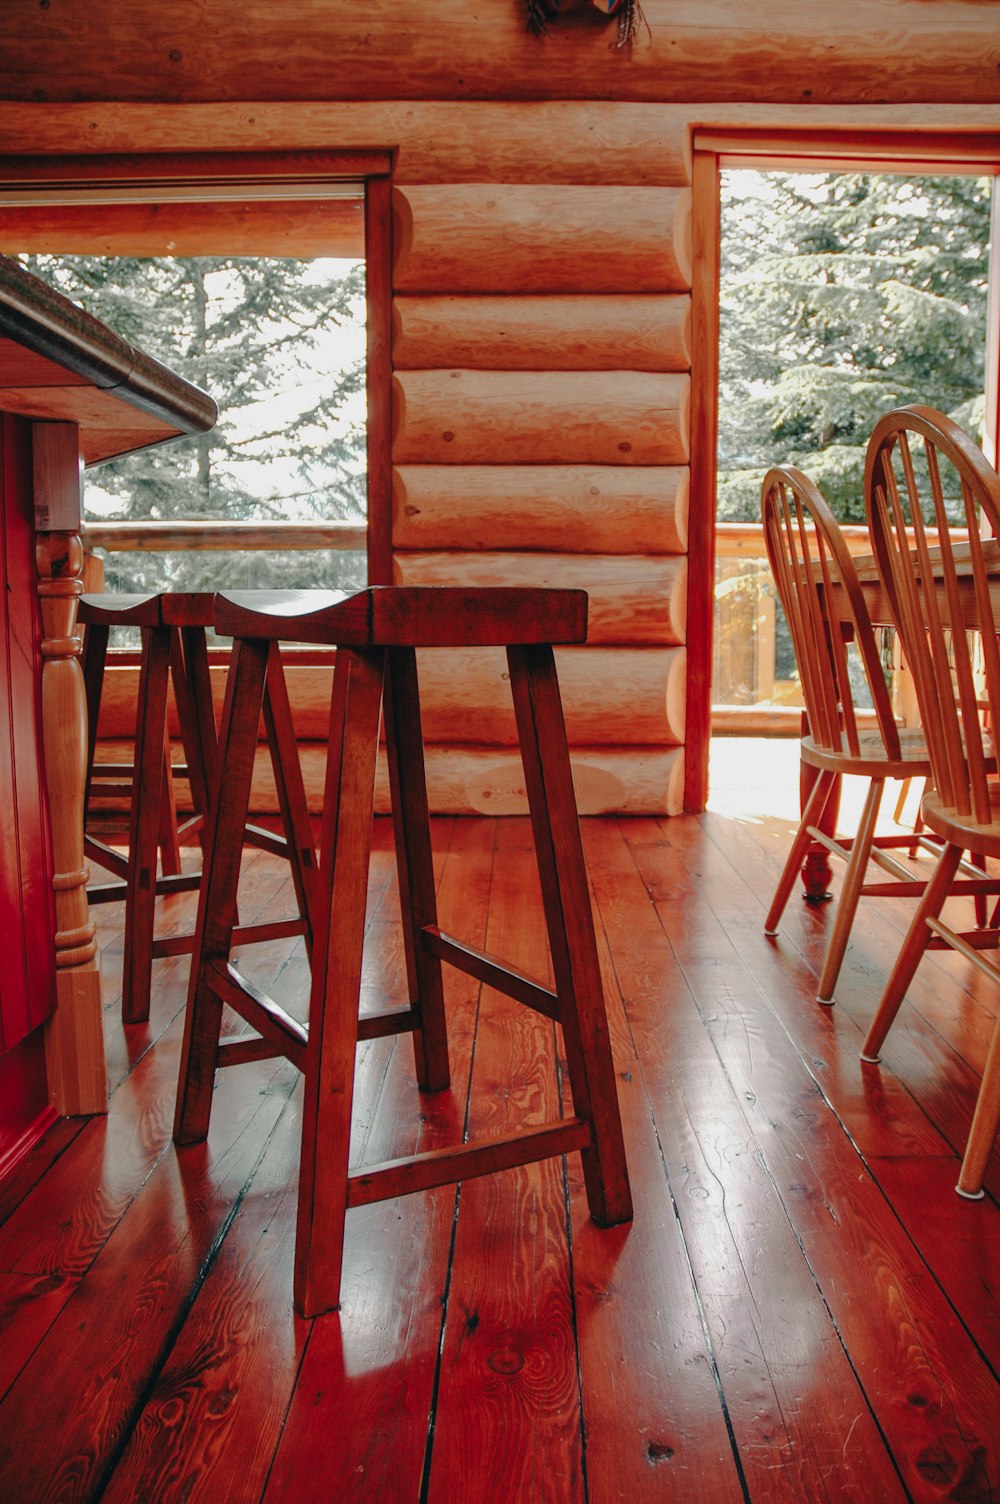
x=170, y=846
x=345, y=850
x=95, y=652
x=191, y=680
x=566, y=897
x=144, y=822
x=217, y=903
x=291, y=792
x=415, y=864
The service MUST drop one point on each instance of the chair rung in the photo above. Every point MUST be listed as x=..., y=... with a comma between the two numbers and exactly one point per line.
x=485, y=969
x=969, y=945
x=285, y=1033
x=420, y=1172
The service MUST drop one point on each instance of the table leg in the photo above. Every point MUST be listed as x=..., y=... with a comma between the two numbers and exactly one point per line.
x=816, y=869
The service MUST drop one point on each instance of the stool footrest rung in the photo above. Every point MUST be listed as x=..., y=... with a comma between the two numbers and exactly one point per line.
x=111, y=788
x=106, y=856
x=174, y=882
x=241, y=1051
x=400, y=1020
x=421, y=1172
x=494, y=973
x=261, y=1012
x=106, y=893
x=266, y=840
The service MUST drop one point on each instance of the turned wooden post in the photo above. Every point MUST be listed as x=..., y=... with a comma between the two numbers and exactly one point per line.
x=74, y=1044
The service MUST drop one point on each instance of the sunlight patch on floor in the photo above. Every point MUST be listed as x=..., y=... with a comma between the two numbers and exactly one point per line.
x=755, y=778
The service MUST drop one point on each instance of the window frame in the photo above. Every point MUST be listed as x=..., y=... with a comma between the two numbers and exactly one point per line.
x=222, y=175
x=714, y=149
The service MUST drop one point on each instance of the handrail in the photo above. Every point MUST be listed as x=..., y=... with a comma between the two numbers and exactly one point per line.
x=154, y=537
x=734, y=540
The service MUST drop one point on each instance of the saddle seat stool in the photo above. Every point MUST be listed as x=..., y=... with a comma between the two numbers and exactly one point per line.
x=376, y=633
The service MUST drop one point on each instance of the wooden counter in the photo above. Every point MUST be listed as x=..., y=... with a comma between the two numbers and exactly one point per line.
x=72, y=393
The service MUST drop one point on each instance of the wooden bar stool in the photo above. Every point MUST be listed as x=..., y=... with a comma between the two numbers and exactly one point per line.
x=376, y=632
x=172, y=629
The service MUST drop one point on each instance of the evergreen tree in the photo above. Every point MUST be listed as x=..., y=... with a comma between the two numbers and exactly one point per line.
x=251, y=331
x=844, y=295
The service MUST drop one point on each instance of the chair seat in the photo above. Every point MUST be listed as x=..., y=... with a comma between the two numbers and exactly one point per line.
x=407, y=616
x=982, y=837
x=872, y=759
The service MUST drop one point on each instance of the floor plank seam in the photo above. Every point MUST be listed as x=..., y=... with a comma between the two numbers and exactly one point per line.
x=143, y=1396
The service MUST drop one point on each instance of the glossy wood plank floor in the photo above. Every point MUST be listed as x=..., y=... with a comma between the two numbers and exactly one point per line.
x=802, y=1309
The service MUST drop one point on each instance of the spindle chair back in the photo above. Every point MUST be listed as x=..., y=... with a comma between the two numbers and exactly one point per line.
x=810, y=561
x=923, y=472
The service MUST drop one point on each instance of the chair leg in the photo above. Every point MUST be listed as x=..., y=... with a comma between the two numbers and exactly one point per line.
x=917, y=939
x=144, y=822
x=569, y=917
x=819, y=794
x=217, y=903
x=850, y=892
x=985, y=1122
x=414, y=860
x=345, y=850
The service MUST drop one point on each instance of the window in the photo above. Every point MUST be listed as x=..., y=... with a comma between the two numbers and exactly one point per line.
x=720, y=149
x=248, y=274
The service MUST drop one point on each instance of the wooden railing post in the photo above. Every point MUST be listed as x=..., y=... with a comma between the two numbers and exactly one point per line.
x=74, y=1043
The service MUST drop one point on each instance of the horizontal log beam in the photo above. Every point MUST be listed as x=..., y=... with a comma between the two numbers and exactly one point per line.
x=560, y=508
x=474, y=141
x=436, y=141
x=610, y=696
x=541, y=239
x=324, y=227
x=694, y=49
x=539, y=417
x=637, y=599
x=475, y=780
x=618, y=331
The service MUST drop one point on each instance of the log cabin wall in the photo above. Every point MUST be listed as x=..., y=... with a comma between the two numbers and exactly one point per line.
x=542, y=350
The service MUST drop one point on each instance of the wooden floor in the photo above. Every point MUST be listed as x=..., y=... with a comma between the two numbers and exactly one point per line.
x=802, y=1309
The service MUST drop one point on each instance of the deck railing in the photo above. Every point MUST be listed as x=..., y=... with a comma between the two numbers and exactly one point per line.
x=193, y=537
x=755, y=690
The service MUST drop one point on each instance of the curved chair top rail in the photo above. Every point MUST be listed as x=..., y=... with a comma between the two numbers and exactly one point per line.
x=923, y=471
x=808, y=556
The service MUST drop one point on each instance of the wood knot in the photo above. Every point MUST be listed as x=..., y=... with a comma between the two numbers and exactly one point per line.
x=505, y=1361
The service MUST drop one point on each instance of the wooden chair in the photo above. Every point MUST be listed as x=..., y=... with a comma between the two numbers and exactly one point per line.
x=172, y=627
x=808, y=556
x=913, y=452
x=376, y=632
